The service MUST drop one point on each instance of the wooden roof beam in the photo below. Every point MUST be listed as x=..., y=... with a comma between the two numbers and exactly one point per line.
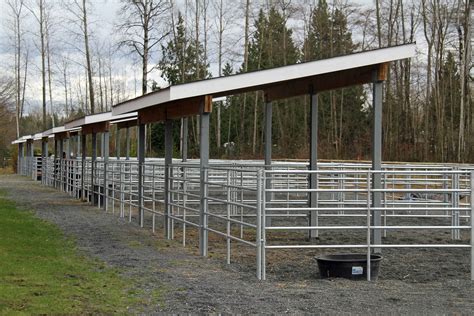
x=325, y=82
x=99, y=127
x=175, y=110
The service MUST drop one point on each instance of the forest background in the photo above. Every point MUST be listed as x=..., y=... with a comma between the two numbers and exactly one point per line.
x=61, y=59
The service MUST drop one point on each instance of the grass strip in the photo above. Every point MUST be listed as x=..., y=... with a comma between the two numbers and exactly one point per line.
x=41, y=271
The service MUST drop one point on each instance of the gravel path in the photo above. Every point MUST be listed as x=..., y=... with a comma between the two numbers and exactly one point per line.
x=190, y=283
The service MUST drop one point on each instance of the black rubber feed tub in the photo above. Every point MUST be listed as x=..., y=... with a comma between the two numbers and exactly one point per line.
x=349, y=265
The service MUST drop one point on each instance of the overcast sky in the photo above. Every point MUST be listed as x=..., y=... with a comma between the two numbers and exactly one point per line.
x=103, y=18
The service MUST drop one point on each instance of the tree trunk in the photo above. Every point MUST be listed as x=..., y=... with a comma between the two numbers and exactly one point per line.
x=88, y=57
x=43, y=62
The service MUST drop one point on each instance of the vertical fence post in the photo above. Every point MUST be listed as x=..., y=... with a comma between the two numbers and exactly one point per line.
x=168, y=174
x=472, y=225
x=455, y=204
x=263, y=222
x=258, y=238
x=83, y=166
x=141, y=160
x=105, y=154
x=369, y=237
x=228, y=226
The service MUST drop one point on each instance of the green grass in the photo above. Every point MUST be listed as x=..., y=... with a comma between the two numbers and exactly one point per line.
x=42, y=273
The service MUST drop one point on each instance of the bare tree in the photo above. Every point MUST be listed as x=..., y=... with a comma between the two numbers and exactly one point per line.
x=41, y=19
x=464, y=38
x=245, y=64
x=63, y=67
x=223, y=13
x=80, y=11
x=141, y=30
x=17, y=14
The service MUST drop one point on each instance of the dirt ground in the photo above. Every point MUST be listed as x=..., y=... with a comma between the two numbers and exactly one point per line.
x=414, y=281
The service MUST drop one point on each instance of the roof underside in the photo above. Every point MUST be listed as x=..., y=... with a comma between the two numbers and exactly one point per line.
x=277, y=83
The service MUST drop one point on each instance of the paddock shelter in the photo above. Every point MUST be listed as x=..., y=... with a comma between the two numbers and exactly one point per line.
x=259, y=206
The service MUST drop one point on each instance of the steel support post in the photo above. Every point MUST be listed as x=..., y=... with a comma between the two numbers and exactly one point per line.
x=184, y=140
x=67, y=166
x=32, y=155
x=24, y=154
x=313, y=164
x=137, y=141
x=102, y=145
x=73, y=147
x=377, y=160
x=83, y=166
x=127, y=143
x=204, y=163
x=27, y=159
x=20, y=158
x=105, y=153
x=61, y=165
x=68, y=148
x=78, y=143
x=117, y=143
x=141, y=161
x=93, y=160
x=268, y=154
x=55, y=166
x=168, y=174
x=44, y=157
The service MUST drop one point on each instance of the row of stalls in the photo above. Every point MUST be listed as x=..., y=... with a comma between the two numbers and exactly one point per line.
x=255, y=206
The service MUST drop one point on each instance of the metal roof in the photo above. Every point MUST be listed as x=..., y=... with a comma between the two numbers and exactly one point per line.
x=251, y=81
x=22, y=139
x=56, y=130
x=99, y=118
x=130, y=119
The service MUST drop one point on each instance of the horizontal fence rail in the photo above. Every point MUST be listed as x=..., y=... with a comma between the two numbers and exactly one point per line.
x=246, y=203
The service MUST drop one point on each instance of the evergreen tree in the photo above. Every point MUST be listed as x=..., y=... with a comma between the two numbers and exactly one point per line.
x=178, y=65
x=344, y=126
x=317, y=43
x=450, y=83
x=271, y=45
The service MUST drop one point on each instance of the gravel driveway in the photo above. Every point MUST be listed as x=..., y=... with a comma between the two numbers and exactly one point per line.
x=190, y=283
